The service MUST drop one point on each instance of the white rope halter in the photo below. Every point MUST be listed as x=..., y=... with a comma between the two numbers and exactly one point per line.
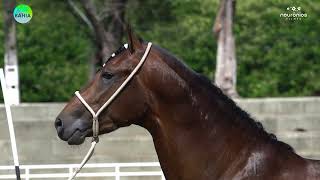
x=95, y=122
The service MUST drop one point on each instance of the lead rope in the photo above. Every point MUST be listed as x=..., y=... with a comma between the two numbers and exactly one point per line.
x=95, y=122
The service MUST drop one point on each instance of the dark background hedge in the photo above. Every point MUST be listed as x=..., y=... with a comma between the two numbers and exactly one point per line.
x=276, y=57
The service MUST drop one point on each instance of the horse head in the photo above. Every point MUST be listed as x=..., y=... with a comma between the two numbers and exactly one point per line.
x=130, y=106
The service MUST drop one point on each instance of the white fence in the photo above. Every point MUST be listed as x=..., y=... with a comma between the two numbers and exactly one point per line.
x=96, y=170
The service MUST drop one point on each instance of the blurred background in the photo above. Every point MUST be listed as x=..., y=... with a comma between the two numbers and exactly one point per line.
x=59, y=46
x=274, y=71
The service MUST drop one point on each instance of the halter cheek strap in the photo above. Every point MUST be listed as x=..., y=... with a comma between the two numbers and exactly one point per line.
x=95, y=115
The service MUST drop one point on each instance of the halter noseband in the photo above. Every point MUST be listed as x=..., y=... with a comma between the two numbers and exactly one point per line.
x=95, y=122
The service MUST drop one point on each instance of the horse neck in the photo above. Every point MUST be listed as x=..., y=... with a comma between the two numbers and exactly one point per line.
x=188, y=126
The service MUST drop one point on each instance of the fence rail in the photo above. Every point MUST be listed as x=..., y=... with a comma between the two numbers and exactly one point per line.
x=116, y=170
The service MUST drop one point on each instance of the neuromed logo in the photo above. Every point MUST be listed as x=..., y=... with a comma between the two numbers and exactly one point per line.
x=293, y=13
x=22, y=13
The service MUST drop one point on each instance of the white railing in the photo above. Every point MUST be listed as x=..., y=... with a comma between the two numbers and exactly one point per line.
x=95, y=170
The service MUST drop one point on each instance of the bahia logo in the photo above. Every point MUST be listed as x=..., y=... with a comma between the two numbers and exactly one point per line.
x=22, y=13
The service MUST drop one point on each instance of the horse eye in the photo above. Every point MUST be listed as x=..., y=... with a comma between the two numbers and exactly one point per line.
x=107, y=75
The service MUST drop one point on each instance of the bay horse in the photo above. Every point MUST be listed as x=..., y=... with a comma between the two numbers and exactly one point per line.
x=198, y=132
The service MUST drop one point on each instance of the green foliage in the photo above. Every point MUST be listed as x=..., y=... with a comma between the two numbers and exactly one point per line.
x=276, y=57
x=53, y=50
x=181, y=26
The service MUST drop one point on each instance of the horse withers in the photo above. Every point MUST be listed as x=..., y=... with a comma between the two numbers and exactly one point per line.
x=198, y=132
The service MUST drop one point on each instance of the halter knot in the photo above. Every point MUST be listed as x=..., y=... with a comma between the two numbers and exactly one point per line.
x=95, y=129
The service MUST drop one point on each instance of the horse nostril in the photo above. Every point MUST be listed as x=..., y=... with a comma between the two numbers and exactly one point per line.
x=58, y=123
x=59, y=126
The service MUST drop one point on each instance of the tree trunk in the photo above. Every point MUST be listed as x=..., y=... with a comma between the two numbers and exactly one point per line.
x=226, y=75
x=11, y=55
x=107, y=28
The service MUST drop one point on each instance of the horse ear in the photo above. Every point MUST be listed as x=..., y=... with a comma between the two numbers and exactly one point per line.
x=133, y=41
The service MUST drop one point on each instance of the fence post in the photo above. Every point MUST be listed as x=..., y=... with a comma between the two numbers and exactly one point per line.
x=27, y=173
x=117, y=171
x=70, y=171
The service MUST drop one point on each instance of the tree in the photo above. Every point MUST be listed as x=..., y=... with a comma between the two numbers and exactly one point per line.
x=226, y=66
x=107, y=26
x=11, y=55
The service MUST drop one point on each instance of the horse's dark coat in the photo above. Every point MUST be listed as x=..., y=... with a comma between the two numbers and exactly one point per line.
x=198, y=132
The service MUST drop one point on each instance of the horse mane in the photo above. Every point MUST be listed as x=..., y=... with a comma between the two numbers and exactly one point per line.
x=201, y=82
